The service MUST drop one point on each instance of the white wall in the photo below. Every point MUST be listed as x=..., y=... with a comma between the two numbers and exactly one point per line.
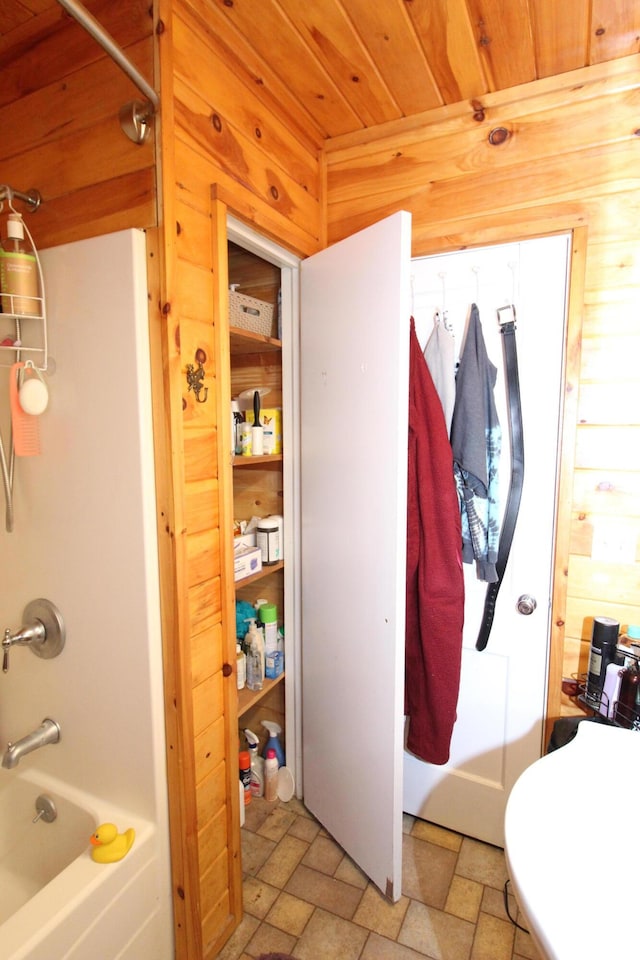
x=85, y=536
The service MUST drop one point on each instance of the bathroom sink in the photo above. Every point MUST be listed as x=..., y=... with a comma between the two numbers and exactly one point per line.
x=569, y=844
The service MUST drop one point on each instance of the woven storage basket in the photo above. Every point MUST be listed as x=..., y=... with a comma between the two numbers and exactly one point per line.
x=248, y=313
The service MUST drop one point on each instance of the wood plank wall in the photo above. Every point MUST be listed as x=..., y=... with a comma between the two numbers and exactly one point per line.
x=571, y=160
x=224, y=135
x=59, y=101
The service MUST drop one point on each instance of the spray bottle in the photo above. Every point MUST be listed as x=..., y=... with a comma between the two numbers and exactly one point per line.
x=254, y=646
x=257, y=765
x=273, y=743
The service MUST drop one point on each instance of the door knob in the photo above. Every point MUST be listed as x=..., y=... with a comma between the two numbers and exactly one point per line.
x=526, y=604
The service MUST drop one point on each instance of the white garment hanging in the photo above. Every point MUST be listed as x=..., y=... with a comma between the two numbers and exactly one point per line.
x=439, y=354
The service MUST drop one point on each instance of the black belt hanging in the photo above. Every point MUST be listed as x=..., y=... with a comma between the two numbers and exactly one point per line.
x=508, y=331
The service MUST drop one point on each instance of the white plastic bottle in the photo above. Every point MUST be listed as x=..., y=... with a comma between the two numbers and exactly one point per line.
x=241, y=665
x=257, y=765
x=271, y=776
x=254, y=647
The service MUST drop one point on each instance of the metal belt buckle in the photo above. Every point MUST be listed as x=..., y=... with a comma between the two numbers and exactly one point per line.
x=510, y=317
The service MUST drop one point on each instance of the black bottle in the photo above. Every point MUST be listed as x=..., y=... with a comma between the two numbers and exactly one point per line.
x=604, y=639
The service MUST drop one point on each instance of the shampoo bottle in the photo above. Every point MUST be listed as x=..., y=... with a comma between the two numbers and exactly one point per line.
x=273, y=742
x=18, y=272
x=254, y=646
x=257, y=765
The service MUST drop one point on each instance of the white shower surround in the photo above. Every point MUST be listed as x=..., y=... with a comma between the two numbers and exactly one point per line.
x=85, y=538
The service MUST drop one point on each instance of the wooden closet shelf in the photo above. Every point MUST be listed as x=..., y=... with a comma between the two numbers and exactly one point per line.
x=239, y=461
x=248, y=698
x=265, y=572
x=245, y=341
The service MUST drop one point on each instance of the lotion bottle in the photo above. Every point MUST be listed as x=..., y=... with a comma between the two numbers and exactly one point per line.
x=271, y=776
x=254, y=646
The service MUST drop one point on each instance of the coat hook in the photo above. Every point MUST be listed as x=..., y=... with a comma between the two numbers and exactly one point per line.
x=194, y=381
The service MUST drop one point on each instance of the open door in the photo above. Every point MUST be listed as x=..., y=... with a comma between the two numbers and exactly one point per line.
x=354, y=428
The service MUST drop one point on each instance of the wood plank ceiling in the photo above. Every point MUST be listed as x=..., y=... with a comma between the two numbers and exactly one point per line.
x=346, y=65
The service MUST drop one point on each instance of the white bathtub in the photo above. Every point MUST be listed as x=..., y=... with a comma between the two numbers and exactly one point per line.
x=55, y=902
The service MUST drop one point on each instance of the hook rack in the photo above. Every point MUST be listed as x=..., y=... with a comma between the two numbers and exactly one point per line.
x=195, y=376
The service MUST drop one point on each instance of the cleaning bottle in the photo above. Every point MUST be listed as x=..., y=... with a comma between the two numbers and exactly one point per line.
x=254, y=647
x=273, y=743
x=257, y=765
x=271, y=776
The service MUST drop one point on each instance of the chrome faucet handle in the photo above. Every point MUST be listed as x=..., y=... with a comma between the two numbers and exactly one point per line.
x=43, y=631
x=6, y=645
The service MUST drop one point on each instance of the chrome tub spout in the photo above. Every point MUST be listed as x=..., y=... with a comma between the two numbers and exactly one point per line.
x=47, y=732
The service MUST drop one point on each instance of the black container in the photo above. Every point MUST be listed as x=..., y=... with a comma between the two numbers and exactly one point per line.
x=604, y=639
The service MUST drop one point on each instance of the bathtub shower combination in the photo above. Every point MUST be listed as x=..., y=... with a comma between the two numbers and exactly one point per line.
x=55, y=901
x=84, y=535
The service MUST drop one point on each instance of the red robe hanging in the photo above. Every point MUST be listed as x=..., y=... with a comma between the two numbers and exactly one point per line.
x=435, y=585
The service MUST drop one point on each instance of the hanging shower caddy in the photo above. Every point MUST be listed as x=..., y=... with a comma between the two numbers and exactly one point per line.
x=23, y=321
x=23, y=328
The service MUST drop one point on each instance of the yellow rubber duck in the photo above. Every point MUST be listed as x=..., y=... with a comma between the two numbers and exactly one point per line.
x=109, y=845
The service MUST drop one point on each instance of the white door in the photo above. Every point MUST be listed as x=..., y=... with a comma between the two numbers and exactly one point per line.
x=354, y=411
x=498, y=732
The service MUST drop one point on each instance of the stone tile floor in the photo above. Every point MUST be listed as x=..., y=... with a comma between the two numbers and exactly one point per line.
x=304, y=896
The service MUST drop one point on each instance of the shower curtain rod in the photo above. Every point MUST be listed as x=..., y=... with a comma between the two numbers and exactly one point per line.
x=97, y=31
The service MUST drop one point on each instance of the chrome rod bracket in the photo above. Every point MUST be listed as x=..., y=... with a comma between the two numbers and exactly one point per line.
x=135, y=119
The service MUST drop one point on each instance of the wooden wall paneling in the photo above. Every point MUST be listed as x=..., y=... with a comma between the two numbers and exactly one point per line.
x=206, y=653
x=566, y=448
x=258, y=493
x=481, y=193
x=204, y=604
x=171, y=460
x=201, y=505
x=445, y=33
x=194, y=187
x=66, y=106
x=203, y=555
x=237, y=156
x=408, y=164
x=505, y=41
x=220, y=272
x=312, y=85
x=227, y=98
x=340, y=51
x=568, y=20
x=121, y=203
x=614, y=30
x=231, y=46
x=200, y=457
x=606, y=492
x=45, y=59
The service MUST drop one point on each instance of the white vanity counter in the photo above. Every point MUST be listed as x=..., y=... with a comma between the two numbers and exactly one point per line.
x=570, y=845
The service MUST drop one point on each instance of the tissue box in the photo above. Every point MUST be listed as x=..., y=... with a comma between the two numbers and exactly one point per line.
x=246, y=561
